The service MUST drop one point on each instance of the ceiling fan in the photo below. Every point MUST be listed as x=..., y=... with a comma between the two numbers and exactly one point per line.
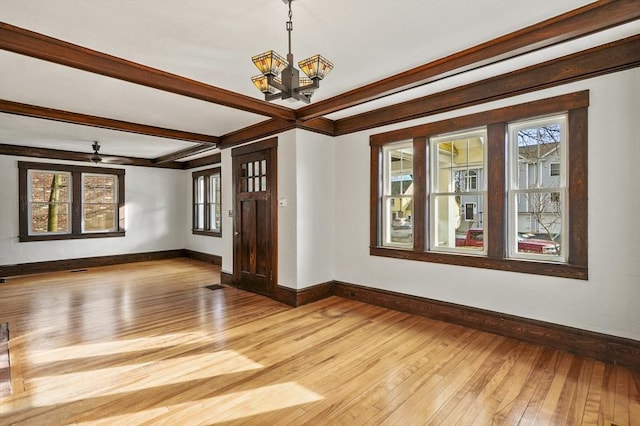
x=96, y=157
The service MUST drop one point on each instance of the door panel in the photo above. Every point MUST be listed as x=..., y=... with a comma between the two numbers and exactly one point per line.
x=254, y=239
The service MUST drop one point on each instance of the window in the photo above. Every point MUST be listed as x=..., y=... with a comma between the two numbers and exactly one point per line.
x=397, y=197
x=535, y=199
x=207, y=206
x=65, y=202
x=503, y=189
x=456, y=200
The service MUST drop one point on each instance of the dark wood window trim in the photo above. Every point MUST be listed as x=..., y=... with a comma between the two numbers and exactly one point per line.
x=206, y=231
x=76, y=206
x=575, y=105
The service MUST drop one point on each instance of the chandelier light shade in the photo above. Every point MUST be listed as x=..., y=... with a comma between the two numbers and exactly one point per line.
x=281, y=80
x=270, y=63
x=316, y=66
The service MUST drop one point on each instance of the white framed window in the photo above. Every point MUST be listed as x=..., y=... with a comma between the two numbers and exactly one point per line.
x=457, y=196
x=50, y=196
x=537, y=202
x=397, y=195
x=99, y=202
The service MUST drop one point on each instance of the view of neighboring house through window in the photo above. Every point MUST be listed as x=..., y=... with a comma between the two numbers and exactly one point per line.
x=59, y=201
x=398, y=194
x=457, y=199
x=490, y=190
x=537, y=187
x=207, y=202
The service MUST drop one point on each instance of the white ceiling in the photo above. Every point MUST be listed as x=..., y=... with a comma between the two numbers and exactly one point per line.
x=212, y=41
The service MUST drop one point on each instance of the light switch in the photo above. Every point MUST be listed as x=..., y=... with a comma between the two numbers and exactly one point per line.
x=282, y=202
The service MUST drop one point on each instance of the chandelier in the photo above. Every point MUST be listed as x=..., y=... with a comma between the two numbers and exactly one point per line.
x=281, y=80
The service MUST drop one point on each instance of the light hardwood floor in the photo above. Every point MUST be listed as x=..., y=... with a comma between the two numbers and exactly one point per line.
x=145, y=343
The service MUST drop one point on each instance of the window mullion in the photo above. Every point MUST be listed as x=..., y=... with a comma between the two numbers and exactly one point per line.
x=76, y=203
x=496, y=198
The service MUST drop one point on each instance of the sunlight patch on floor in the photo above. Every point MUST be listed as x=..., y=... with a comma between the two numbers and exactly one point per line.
x=70, y=387
x=85, y=350
x=227, y=407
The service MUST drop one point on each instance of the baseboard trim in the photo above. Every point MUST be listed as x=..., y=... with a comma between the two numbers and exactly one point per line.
x=203, y=257
x=85, y=262
x=294, y=297
x=603, y=347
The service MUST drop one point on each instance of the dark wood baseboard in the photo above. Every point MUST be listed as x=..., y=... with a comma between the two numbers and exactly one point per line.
x=293, y=297
x=203, y=257
x=85, y=262
x=603, y=347
x=226, y=278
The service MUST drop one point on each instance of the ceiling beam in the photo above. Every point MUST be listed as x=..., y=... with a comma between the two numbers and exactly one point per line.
x=36, y=45
x=586, y=20
x=184, y=153
x=57, y=154
x=255, y=132
x=26, y=110
x=611, y=57
x=203, y=161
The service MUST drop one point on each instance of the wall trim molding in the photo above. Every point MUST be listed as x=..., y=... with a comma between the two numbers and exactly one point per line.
x=603, y=347
x=203, y=257
x=86, y=262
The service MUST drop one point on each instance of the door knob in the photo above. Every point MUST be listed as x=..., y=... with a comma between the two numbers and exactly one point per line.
x=236, y=233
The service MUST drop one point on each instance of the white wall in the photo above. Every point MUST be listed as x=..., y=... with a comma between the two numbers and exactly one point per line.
x=315, y=214
x=154, y=218
x=608, y=302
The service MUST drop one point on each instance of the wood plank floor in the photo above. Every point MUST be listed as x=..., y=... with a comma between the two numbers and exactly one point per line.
x=145, y=343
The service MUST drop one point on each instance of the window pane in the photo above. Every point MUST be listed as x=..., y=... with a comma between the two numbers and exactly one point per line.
x=99, y=217
x=400, y=171
x=458, y=222
x=398, y=227
x=99, y=202
x=539, y=223
x=199, y=191
x=50, y=218
x=199, y=216
x=50, y=198
x=539, y=151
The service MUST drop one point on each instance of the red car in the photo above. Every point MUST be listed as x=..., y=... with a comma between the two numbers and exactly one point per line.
x=475, y=238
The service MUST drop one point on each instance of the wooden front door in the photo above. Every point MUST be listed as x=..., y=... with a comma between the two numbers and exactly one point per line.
x=254, y=263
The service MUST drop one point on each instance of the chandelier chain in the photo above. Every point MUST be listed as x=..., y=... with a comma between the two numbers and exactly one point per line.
x=290, y=25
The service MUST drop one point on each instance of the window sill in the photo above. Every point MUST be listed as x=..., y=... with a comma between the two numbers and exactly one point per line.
x=206, y=233
x=26, y=238
x=512, y=265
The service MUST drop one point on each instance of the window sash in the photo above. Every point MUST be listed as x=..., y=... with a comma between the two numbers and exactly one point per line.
x=112, y=207
x=536, y=210
x=442, y=237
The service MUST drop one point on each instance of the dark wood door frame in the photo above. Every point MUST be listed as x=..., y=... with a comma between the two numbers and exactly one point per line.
x=269, y=145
